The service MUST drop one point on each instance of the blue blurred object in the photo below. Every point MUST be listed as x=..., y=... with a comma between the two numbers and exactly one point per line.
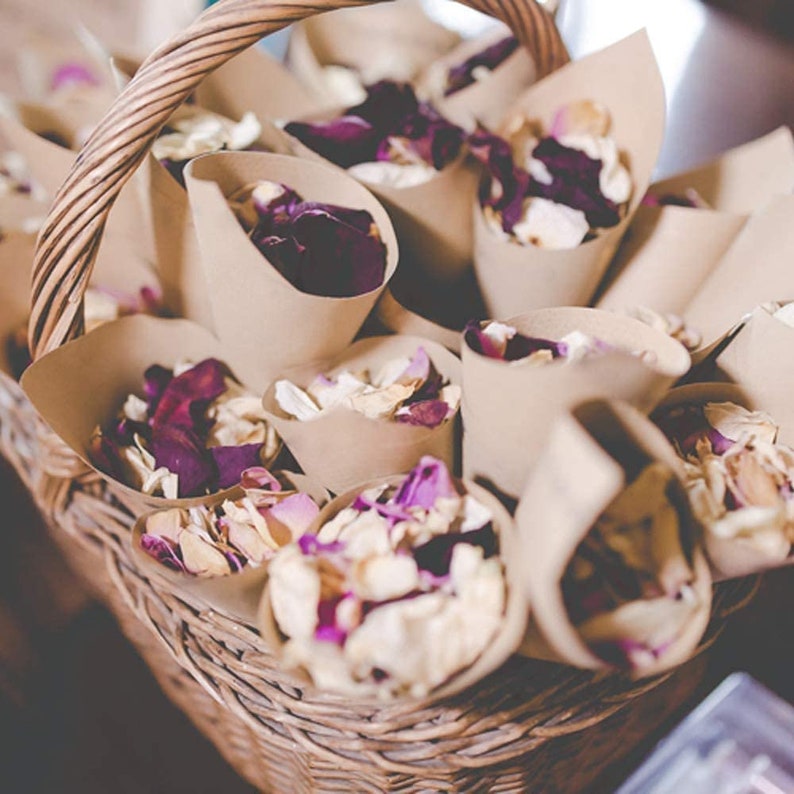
x=739, y=740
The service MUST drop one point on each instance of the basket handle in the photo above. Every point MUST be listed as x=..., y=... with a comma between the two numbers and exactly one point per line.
x=68, y=242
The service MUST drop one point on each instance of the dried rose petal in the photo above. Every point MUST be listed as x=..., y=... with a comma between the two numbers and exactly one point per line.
x=426, y=413
x=464, y=74
x=231, y=462
x=345, y=141
x=427, y=482
x=163, y=552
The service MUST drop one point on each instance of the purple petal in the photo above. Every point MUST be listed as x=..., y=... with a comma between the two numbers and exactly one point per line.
x=392, y=512
x=462, y=75
x=686, y=425
x=344, y=141
x=387, y=105
x=310, y=546
x=327, y=629
x=258, y=478
x=480, y=342
x=427, y=481
x=516, y=348
x=575, y=182
x=180, y=451
x=188, y=395
x=511, y=182
x=236, y=561
x=72, y=74
x=155, y=381
x=427, y=413
x=162, y=551
x=231, y=462
x=435, y=556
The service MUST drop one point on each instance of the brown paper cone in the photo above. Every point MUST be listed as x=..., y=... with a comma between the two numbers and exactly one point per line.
x=322, y=446
x=669, y=251
x=666, y=255
x=237, y=595
x=742, y=179
x=734, y=557
x=487, y=100
x=757, y=359
x=84, y=383
x=392, y=40
x=516, y=611
x=239, y=87
x=400, y=320
x=755, y=270
x=21, y=213
x=508, y=407
x=264, y=321
x=432, y=220
x=50, y=163
x=16, y=261
x=590, y=455
x=625, y=79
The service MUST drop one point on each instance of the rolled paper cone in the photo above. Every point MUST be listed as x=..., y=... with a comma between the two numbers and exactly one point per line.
x=16, y=262
x=754, y=271
x=400, y=320
x=516, y=609
x=742, y=179
x=266, y=323
x=84, y=383
x=237, y=88
x=392, y=40
x=590, y=455
x=382, y=446
x=21, y=213
x=625, y=79
x=758, y=358
x=669, y=251
x=118, y=271
x=733, y=557
x=488, y=98
x=432, y=219
x=508, y=407
x=238, y=594
x=50, y=163
x=665, y=256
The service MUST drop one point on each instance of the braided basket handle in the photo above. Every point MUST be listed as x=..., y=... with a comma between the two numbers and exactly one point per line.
x=70, y=237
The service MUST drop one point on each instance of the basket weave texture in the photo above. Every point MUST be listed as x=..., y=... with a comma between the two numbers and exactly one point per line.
x=509, y=733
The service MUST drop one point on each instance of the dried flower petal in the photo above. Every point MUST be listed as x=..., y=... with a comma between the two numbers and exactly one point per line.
x=479, y=65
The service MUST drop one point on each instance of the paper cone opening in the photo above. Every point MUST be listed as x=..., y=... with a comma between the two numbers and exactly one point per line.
x=625, y=79
x=83, y=384
x=592, y=453
x=496, y=652
x=381, y=446
x=508, y=407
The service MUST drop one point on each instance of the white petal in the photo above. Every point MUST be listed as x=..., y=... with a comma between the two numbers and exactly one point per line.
x=550, y=225
x=295, y=402
x=393, y=175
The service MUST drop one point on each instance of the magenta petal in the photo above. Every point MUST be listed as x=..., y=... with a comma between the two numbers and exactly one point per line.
x=231, y=462
x=392, y=512
x=426, y=482
x=296, y=512
x=462, y=75
x=190, y=393
x=69, y=75
x=480, y=342
x=427, y=413
x=258, y=478
x=162, y=551
x=180, y=451
x=344, y=141
x=309, y=546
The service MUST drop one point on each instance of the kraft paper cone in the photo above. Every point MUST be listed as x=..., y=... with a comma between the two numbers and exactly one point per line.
x=400, y=320
x=238, y=594
x=432, y=220
x=84, y=383
x=754, y=271
x=758, y=358
x=21, y=213
x=625, y=79
x=16, y=261
x=591, y=455
x=486, y=100
x=733, y=557
x=380, y=447
x=267, y=324
x=50, y=163
x=508, y=407
x=391, y=40
x=669, y=251
x=516, y=610
x=118, y=271
x=255, y=81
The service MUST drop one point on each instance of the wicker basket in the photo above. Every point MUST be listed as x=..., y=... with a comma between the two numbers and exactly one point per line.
x=512, y=732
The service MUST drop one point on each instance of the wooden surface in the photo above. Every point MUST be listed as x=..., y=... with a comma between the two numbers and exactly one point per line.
x=79, y=712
